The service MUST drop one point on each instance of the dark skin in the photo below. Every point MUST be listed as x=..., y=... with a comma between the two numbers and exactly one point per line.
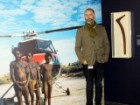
x=20, y=76
x=34, y=83
x=46, y=75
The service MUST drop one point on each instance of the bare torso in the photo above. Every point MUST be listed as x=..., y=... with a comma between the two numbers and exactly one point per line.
x=47, y=71
x=34, y=67
x=20, y=70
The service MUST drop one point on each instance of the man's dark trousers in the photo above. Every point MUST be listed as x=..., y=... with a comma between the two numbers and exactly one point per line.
x=94, y=76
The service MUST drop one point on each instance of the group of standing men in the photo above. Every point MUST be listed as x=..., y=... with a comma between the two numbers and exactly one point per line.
x=27, y=77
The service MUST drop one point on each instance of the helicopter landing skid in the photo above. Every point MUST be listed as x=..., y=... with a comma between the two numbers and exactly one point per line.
x=59, y=86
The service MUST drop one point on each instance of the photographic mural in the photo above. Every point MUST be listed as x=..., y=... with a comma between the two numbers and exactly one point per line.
x=38, y=26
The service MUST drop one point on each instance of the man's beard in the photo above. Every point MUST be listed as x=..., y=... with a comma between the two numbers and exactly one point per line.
x=89, y=21
x=18, y=58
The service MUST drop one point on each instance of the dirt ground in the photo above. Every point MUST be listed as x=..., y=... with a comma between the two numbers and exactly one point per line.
x=77, y=92
x=76, y=85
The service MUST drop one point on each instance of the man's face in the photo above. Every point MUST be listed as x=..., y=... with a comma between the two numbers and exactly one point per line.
x=89, y=16
x=49, y=59
x=29, y=57
x=18, y=55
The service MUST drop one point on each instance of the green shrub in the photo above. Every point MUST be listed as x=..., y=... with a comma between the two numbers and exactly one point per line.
x=5, y=79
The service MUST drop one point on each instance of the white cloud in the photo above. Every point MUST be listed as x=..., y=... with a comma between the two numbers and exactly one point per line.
x=58, y=13
x=46, y=15
x=9, y=21
x=12, y=12
x=28, y=2
x=11, y=26
x=55, y=12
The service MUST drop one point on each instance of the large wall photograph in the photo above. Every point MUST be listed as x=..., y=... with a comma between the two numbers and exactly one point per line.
x=52, y=25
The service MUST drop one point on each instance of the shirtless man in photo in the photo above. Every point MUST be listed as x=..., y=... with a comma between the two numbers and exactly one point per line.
x=34, y=83
x=20, y=76
x=46, y=75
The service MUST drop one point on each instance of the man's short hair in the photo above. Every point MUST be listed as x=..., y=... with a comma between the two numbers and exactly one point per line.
x=15, y=49
x=90, y=9
x=47, y=55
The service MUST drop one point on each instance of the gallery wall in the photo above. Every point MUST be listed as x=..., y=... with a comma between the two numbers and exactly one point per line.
x=122, y=76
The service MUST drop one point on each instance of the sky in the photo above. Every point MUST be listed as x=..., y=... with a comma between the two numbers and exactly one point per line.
x=21, y=16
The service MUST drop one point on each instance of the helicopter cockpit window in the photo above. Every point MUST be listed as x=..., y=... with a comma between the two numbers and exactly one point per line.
x=46, y=46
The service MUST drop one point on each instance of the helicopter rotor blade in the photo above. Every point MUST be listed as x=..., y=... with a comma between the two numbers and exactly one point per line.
x=33, y=34
x=12, y=35
x=61, y=29
x=5, y=35
x=28, y=34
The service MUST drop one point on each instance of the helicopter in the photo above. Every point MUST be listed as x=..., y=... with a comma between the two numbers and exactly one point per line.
x=39, y=48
